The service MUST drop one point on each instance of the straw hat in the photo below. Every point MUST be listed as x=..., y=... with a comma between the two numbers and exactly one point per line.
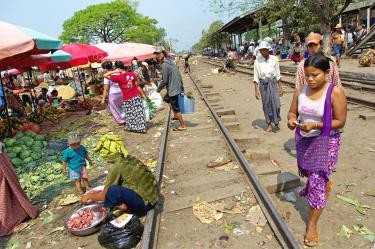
x=66, y=92
x=338, y=26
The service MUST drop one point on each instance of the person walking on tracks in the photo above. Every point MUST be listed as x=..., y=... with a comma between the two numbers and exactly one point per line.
x=320, y=108
x=268, y=84
x=172, y=80
x=314, y=43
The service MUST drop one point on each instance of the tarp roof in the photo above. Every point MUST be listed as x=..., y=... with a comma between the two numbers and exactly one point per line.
x=357, y=6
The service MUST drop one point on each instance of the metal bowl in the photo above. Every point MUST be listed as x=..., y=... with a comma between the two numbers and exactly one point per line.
x=99, y=217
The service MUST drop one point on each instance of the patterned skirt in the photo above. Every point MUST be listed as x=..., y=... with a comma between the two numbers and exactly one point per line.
x=315, y=188
x=15, y=206
x=135, y=119
x=115, y=102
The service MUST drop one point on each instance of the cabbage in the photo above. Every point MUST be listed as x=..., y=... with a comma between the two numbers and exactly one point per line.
x=38, y=144
x=29, y=134
x=17, y=162
x=27, y=160
x=10, y=142
x=39, y=138
x=25, y=154
x=19, y=135
x=36, y=155
x=17, y=149
x=12, y=155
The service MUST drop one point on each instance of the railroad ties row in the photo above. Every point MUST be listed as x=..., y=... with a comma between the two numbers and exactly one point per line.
x=203, y=206
x=270, y=175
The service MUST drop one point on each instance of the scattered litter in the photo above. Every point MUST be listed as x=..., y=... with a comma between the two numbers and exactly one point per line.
x=345, y=231
x=290, y=196
x=276, y=163
x=228, y=167
x=49, y=218
x=230, y=205
x=28, y=245
x=256, y=217
x=56, y=229
x=106, y=172
x=224, y=237
x=372, y=194
x=262, y=243
x=238, y=231
x=365, y=232
x=69, y=199
x=287, y=215
x=14, y=244
x=171, y=181
x=229, y=208
x=359, y=207
x=205, y=212
x=173, y=192
x=157, y=134
x=269, y=237
x=259, y=229
x=218, y=162
x=215, y=71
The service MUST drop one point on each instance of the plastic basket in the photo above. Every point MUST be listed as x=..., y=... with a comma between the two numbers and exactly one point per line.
x=306, y=54
x=187, y=105
x=283, y=56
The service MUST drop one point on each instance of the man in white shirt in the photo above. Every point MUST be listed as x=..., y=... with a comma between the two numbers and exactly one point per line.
x=267, y=80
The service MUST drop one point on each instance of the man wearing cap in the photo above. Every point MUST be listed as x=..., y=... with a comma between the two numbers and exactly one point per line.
x=337, y=43
x=268, y=86
x=172, y=80
x=314, y=42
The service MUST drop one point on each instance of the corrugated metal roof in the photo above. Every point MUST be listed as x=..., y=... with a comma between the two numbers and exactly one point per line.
x=357, y=6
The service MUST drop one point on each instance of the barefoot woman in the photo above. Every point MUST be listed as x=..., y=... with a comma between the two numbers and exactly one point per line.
x=320, y=108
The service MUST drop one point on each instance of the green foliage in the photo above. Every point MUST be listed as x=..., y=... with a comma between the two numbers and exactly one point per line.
x=117, y=21
x=212, y=39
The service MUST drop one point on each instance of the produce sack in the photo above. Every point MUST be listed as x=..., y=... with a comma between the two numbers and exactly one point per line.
x=147, y=110
x=154, y=96
x=112, y=237
x=186, y=104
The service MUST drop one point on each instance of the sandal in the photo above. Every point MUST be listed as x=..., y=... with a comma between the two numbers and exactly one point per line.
x=174, y=118
x=314, y=242
x=179, y=129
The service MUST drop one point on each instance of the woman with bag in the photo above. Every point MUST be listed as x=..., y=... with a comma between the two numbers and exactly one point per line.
x=320, y=109
x=132, y=96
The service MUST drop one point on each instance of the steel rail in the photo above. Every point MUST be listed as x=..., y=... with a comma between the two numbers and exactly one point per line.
x=150, y=233
x=351, y=99
x=284, y=236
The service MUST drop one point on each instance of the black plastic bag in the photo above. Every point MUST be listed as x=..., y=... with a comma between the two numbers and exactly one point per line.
x=126, y=237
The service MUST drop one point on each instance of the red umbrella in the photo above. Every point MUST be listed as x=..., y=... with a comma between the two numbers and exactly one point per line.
x=81, y=54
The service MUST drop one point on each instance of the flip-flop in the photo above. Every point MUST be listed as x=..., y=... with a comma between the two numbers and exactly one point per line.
x=179, y=129
x=174, y=118
x=314, y=242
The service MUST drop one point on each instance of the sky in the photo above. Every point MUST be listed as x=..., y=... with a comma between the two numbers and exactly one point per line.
x=183, y=20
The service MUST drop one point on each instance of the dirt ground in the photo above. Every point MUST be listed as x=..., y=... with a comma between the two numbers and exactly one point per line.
x=354, y=175
x=143, y=146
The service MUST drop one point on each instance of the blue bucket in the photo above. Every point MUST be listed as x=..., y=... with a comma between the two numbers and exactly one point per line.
x=283, y=56
x=306, y=54
x=187, y=105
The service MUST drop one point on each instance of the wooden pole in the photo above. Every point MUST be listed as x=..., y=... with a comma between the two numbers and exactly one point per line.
x=368, y=18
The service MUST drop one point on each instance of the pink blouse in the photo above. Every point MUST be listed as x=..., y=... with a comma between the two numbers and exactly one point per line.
x=333, y=76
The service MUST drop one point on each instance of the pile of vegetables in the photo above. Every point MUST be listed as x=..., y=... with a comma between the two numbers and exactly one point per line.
x=52, y=113
x=12, y=126
x=25, y=150
x=110, y=147
x=152, y=108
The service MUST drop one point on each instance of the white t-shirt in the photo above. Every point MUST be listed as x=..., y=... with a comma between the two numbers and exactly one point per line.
x=266, y=68
x=114, y=88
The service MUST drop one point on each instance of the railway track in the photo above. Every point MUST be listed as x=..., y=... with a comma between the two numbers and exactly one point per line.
x=354, y=83
x=183, y=176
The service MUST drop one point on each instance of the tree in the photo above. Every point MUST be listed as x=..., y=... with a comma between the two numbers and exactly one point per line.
x=296, y=15
x=117, y=21
x=211, y=38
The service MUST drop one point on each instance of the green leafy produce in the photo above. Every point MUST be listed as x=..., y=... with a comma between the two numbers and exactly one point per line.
x=29, y=134
x=12, y=155
x=345, y=231
x=27, y=160
x=24, y=154
x=10, y=142
x=39, y=138
x=36, y=156
x=17, y=162
x=17, y=149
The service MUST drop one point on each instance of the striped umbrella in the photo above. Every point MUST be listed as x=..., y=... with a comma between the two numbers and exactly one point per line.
x=16, y=41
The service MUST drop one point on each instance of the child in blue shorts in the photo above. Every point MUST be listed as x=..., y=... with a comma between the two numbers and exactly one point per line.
x=75, y=158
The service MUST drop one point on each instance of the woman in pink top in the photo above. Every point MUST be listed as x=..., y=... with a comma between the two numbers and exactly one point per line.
x=133, y=97
x=315, y=46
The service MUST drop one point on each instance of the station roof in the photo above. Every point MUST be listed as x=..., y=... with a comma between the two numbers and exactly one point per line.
x=242, y=23
x=353, y=7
